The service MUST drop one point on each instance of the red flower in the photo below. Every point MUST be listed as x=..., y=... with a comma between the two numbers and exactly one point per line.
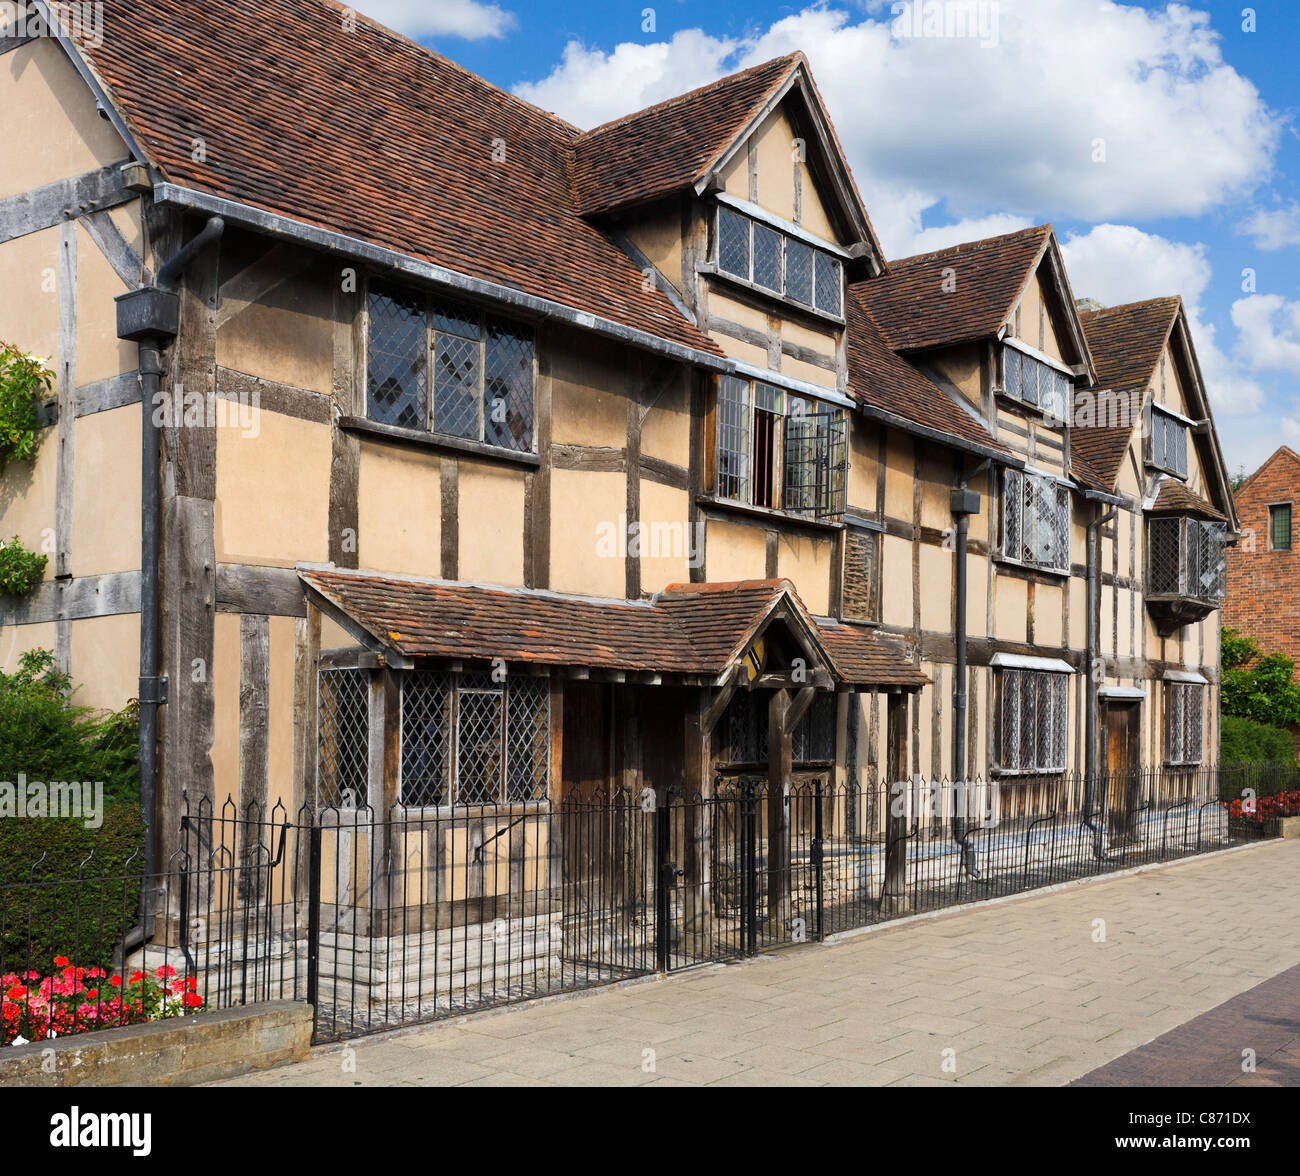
x=193, y=1000
x=61, y=961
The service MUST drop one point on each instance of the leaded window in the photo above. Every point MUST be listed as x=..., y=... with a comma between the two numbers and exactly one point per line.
x=481, y=385
x=1032, y=721
x=779, y=450
x=1184, y=723
x=472, y=739
x=1186, y=558
x=1036, y=384
x=342, y=738
x=1036, y=521
x=1168, y=442
x=779, y=262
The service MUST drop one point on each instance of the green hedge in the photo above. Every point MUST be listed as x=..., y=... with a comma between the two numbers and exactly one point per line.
x=1246, y=741
x=66, y=890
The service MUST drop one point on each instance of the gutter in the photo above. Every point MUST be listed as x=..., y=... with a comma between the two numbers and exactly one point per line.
x=1090, y=685
x=295, y=230
x=150, y=316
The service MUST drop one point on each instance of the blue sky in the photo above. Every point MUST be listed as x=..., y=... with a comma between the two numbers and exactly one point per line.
x=1162, y=140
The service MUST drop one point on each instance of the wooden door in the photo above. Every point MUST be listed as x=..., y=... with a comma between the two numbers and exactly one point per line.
x=1123, y=767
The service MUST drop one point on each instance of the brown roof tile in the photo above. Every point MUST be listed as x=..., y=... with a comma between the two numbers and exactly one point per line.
x=370, y=135
x=667, y=147
x=914, y=312
x=686, y=629
x=880, y=379
x=1176, y=498
x=1125, y=342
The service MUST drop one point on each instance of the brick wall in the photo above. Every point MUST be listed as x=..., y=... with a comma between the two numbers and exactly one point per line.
x=1263, y=599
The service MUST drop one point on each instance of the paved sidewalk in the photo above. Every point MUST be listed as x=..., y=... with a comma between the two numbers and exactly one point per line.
x=1251, y=1040
x=1034, y=991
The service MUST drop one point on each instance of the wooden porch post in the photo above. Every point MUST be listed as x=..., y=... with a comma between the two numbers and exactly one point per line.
x=780, y=766
x=895, y=890
x=698, y=759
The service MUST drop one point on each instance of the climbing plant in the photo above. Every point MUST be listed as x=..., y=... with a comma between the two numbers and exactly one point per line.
x=20, y=570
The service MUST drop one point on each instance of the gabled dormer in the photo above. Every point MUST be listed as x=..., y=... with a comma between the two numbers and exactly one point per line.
x=736, y=201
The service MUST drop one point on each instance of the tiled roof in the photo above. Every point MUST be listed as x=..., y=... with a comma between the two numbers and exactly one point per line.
x=367, y=134
x=687, y=629
x=914, y=311
x=1125, y=342
x=667, y=147
x=878, y=378
x=1176, y=498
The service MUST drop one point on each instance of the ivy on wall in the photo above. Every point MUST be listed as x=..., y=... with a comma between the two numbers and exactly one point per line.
x=24, y=381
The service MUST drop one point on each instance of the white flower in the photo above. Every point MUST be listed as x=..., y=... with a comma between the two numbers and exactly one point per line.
x=20, y=1041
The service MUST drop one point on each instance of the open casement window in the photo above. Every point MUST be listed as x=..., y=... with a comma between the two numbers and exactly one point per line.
x=1186, y=558
x=1032, y=721
x=780, y=451
x=1036, y=521
x=1184, y=723
x=448, y=368
x=342, y=738
x=860, y=587
x=1167, y=443
x=1036, y=384
x=778, y=262
x=468, y=739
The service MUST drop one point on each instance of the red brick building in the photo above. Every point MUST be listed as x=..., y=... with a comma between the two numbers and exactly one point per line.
x=1263, y=597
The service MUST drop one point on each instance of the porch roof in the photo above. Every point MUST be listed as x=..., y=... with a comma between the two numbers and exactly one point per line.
x=698, y=630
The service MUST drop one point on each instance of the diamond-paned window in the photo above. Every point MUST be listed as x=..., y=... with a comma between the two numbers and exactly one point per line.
x=397, y=358
x=470, y=739
x=482, y=378
x=830, y=283
x=1032, y=722
x=1184, y=722
x=1186, y=558
x=799, y=271
x=1036, y=521
x=343, y=738
x=426, y=738
x=733, y=243
x=767, y=258
x=779, y=261
x=508, y=388
x=1036, y=384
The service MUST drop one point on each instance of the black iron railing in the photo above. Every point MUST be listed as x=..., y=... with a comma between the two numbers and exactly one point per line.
x=382, y=920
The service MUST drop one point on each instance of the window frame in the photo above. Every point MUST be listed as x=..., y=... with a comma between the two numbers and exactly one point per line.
x=1058, y=682
x=1018, y=557
x=1168, y=420
x=434, y=306
x=1178, y=709
x=1290, y=526
x=1189, y=530
x=738, y=416
x=874, y=538
x=456, y=686
x=1023, y=354
x=820, y=257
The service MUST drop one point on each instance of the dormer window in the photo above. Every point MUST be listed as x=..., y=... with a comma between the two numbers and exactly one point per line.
x=1167, y=445
x=777, y=262
x=1036, y=383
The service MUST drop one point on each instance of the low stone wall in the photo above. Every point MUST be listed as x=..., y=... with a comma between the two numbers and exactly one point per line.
x=180, y=1051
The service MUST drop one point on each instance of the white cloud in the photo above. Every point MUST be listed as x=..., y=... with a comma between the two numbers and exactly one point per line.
x=1010, y=129
x=971, y=229
x=1269, y=332
x=420, y=19
x=1274, y=228
x=1120, y=263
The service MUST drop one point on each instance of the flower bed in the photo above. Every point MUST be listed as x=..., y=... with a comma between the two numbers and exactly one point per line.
x=1260, y=810
x=77, y=1000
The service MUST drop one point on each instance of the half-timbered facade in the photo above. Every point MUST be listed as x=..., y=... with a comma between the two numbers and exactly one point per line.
x=501, y=461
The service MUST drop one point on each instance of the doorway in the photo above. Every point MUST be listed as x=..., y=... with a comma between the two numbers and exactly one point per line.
x=1123, y=767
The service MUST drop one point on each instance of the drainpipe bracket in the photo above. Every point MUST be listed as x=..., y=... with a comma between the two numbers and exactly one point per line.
x=965, y=502
x=153, y=691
